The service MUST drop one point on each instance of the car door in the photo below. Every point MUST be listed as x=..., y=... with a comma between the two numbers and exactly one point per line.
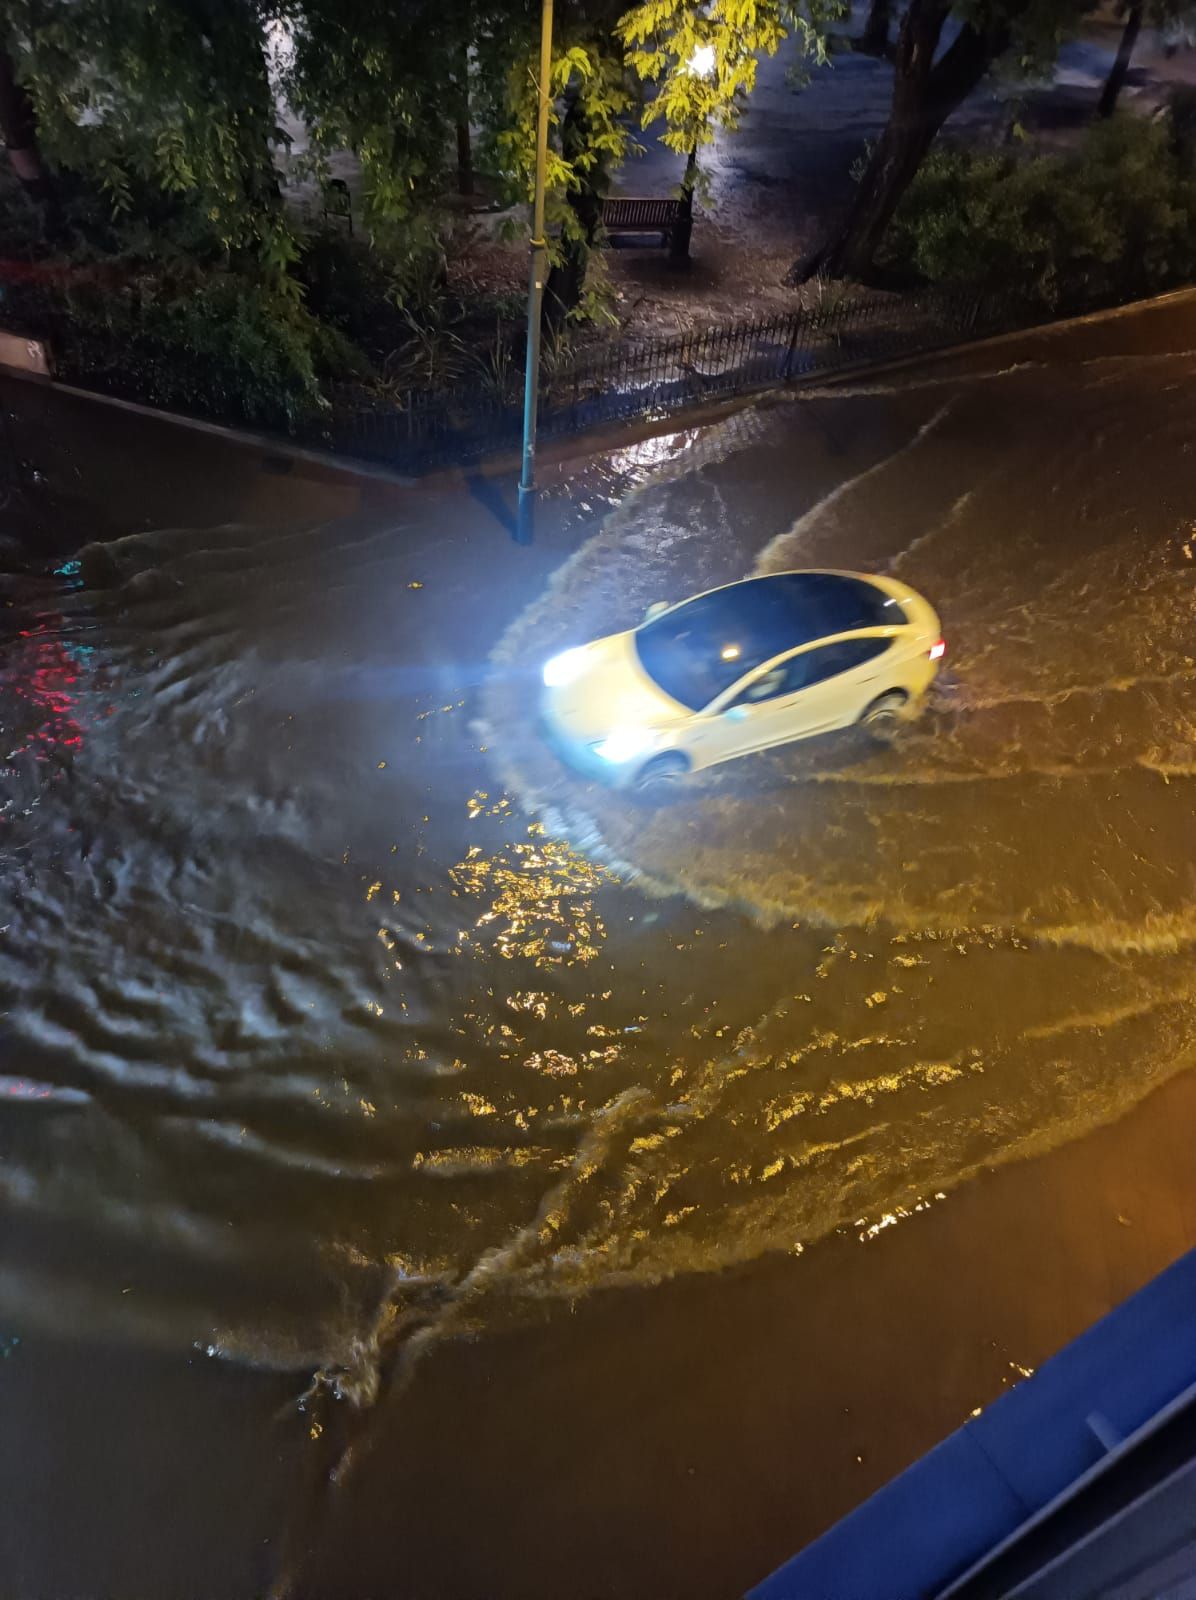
x=749, y=720
x=820, y=688
x=838, y=681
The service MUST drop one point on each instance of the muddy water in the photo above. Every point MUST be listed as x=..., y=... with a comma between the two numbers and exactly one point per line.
x=335, y=1008
x=979, y=942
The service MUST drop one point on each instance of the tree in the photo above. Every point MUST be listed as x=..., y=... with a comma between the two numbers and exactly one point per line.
x=601, y=50
x=174, y=97
x=703, y=59
x=1112, y=216
x=464, y=144
x=401, y=86
x=1132, y=12
x=381, y=80
x=874, y=40
x=593, y=141
x=1161, y=14
x=18, y=126
x=588, y=138
x=929, y=83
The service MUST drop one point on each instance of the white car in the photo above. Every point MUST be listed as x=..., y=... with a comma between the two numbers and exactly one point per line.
x=742, y=668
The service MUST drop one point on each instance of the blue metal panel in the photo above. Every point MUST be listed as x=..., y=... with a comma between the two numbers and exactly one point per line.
x=973, y=1490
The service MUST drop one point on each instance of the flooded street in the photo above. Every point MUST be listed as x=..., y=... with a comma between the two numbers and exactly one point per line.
x=344, y=1031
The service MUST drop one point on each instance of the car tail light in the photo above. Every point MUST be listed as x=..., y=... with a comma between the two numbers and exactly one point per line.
x=939, y=650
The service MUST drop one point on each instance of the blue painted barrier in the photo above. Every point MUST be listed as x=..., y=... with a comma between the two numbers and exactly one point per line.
x=979, y=1485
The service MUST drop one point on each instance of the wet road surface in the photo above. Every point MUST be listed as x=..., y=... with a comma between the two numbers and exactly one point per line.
x=340, y=1022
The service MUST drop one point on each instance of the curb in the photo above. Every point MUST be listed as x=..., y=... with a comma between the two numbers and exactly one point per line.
x=269, y=444
x=995, y=341
x=590, y=442
x=585, y=443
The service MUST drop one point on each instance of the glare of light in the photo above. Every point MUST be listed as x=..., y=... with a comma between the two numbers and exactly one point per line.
x=730, y=652
x=624, y=743
x=564, y=668
x=280, y=48
x=939, y=650
x=701, y=63
x=650, y=452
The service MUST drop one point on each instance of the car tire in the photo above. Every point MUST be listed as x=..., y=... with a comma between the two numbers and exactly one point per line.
x=886, y=716
x=662, y=774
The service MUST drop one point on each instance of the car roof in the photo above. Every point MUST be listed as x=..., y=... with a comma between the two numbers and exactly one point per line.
x=821, y=599
x=881, y=585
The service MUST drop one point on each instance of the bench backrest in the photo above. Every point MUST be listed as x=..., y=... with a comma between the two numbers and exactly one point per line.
x=647, y=213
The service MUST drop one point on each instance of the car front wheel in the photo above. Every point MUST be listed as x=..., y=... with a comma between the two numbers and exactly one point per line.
x=661, y=774
x=883, y=719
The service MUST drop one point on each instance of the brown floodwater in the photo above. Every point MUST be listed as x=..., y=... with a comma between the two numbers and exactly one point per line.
x=339, y=1021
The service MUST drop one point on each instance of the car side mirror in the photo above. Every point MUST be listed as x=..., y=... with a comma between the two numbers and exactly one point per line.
x=656, y=609
x=735, y=713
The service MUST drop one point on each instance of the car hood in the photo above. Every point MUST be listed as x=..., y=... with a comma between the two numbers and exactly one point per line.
x=612, y=691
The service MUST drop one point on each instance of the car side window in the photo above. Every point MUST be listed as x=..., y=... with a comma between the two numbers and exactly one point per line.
x=765, y=687
x=829, y=660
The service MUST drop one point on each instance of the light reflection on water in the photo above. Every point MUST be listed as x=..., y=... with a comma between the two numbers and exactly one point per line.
x=332, y=1009
x=539, y=898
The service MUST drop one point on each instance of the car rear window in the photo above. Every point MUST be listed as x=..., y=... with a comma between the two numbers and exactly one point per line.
x=705, y=645
x=842, y=604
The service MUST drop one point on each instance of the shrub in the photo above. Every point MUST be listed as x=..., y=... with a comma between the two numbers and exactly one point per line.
x=1181, y=116
x=1113, y=219
x=223, y=345
x=348, y=285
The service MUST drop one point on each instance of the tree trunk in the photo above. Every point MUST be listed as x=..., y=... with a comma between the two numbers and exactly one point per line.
x=1121, y=65
x=874, y=41
x=891, y=169
x=925, y=93
x=567, y=277
x=683, y=228
x=18, y=125
x=464, y=148
x=464, y=160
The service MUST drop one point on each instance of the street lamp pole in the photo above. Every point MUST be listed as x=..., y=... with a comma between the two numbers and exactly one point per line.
x=538, y=248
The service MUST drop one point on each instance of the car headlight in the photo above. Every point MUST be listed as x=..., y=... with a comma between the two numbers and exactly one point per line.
x=624, y=743
x=564, y=668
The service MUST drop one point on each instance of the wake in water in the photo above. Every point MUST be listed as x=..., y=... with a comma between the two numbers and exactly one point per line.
x=329, y=1045
x=1011, y=886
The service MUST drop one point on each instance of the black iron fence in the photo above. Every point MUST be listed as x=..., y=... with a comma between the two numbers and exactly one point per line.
x=610, y=382
x=637, y=378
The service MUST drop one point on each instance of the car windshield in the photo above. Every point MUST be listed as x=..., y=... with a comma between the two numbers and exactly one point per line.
x=703, y=646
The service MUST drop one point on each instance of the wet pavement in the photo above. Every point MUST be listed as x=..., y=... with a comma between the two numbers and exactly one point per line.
x=351, y=1045
x=787, y=165
x=774, y=187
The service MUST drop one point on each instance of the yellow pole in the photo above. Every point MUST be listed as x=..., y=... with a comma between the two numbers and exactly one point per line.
x=538, y=248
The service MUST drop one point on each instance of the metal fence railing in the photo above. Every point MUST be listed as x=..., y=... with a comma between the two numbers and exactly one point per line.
x=629, y=379
x=614, y=381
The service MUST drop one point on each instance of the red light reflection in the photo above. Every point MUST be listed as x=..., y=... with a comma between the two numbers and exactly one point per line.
x=42, y=673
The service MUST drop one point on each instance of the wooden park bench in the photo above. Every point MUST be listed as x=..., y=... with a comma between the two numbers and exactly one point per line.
x=643, y=216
